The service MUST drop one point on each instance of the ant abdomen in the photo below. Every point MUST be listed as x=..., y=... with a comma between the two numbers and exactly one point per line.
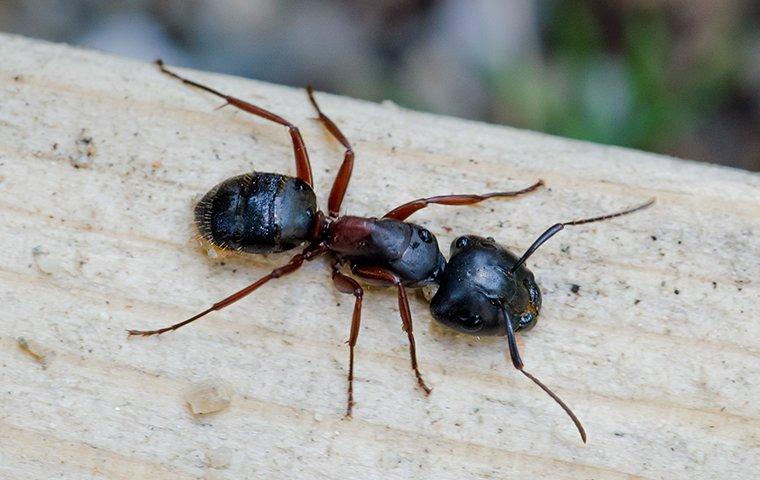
x=257, y=213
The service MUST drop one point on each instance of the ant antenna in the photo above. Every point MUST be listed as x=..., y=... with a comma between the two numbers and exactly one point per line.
x=517, y=362
x=554, y=229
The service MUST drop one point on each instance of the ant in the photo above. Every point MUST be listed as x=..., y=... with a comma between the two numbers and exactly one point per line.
x=269, y=212
x=487, y=290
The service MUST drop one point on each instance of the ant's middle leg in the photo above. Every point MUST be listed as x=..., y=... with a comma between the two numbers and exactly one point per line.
x=406, y=210
x=346, y=284
x=387, y=277
x=303, y=167
x=340, y=185
x=309, y=253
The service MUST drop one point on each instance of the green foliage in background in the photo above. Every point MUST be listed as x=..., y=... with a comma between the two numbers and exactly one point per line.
x=641, y=89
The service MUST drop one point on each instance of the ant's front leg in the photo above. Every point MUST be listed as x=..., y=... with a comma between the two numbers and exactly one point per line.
x=378, y=274
x=404, y=211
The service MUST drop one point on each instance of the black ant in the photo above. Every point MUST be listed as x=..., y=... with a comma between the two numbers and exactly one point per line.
x=269, y=212
x=487, y=290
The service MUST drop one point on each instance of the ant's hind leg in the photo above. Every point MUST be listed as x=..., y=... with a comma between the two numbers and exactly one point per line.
x=406, y=210
x=385, y=276
x=303, y=167
x=340, y=185
x=346, y=284
x=294, y=264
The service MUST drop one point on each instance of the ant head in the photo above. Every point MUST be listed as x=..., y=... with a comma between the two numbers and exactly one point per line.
x=478, y=284
x=485, y=289
x=257, y=213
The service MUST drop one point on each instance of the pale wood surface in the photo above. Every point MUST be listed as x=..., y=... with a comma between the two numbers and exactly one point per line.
x=666, y=383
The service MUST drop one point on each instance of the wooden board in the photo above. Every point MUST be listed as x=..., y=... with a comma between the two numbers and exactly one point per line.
x=101, y=159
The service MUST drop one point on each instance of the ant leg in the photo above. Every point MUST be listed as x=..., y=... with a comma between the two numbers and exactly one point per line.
x=404, y=211
x=346, y=284
x=303, y=167
x=385, y=276
x=340, y=185
x=294, y=264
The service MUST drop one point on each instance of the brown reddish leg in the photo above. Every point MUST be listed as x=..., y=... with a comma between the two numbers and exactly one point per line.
x=294, y=264
x=404, y=211
x=382, y=275
x=303, y=167
x=340, y=185
x=346, y=284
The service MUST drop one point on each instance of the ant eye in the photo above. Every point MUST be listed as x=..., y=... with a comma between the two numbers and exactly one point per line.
x=526, y=321
x=462, y=242
x=425, y=235
x=490, y=239
x=470, y=321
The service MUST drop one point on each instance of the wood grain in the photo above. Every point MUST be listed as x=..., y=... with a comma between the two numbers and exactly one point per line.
x=101, y=159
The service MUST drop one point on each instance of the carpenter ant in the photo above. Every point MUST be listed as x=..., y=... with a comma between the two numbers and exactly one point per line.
x=487, y=290
x=269, y=212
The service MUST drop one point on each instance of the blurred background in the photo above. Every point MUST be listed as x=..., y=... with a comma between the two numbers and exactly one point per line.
x=680, y=77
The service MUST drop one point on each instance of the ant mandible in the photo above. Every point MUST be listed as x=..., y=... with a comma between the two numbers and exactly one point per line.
x=270, y=212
